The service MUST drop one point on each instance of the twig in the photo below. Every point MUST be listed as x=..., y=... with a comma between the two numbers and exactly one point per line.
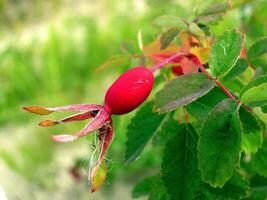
x=167, y=61
x=197, y=62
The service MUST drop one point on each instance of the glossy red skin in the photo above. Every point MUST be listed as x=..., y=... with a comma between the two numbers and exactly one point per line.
x=129, y=91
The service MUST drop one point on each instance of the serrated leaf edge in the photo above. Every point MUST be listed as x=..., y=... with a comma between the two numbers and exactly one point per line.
x=130, y=160
x=237, y=163
x=254, y=44
x=162, y=110
x=243, y=36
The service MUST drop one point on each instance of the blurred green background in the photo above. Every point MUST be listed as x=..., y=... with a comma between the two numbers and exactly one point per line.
x=49, y=55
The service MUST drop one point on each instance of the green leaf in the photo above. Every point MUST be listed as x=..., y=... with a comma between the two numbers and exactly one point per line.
x=213, y=13
x=179, y=166
x=168, y=129
x=143, y=187
x=259, y=187
x=216, y=8
x=206, y=19
x=169, y=21
x=262, y=116
x=236, y=188
x=201, y=107
x=252, y=131
x=225, y=52
x=259, y=160
x=257, y=49
x=237, y=70
x=253, y=88
x=142, y=128
x=255, y=96
x=152, y=186
x=158, y=190
x=219, y=144
x=252, y=142
x=167, y=37
x=261, y=69
x=182, y=91
x=250, y=123
x=254, y=83
x=194, y=29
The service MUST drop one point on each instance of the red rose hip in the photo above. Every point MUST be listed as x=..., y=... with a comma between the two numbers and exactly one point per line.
x=130, y=90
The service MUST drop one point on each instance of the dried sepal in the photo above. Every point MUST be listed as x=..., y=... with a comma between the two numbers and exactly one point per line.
x=38, y=110
x=48, y=122
x=97, y=176
x=76, y=117
x=101, y=118
x=97, y=173
x=105, y=137
x=75, y=107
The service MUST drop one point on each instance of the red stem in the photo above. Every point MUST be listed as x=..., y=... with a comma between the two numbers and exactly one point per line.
x=218, y=83
x=167, y=61
x=200, y=66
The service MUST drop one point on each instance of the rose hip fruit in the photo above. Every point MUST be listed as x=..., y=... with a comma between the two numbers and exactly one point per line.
x=129, y=91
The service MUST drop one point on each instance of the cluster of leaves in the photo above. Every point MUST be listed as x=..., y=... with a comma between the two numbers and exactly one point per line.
x=217, y=148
